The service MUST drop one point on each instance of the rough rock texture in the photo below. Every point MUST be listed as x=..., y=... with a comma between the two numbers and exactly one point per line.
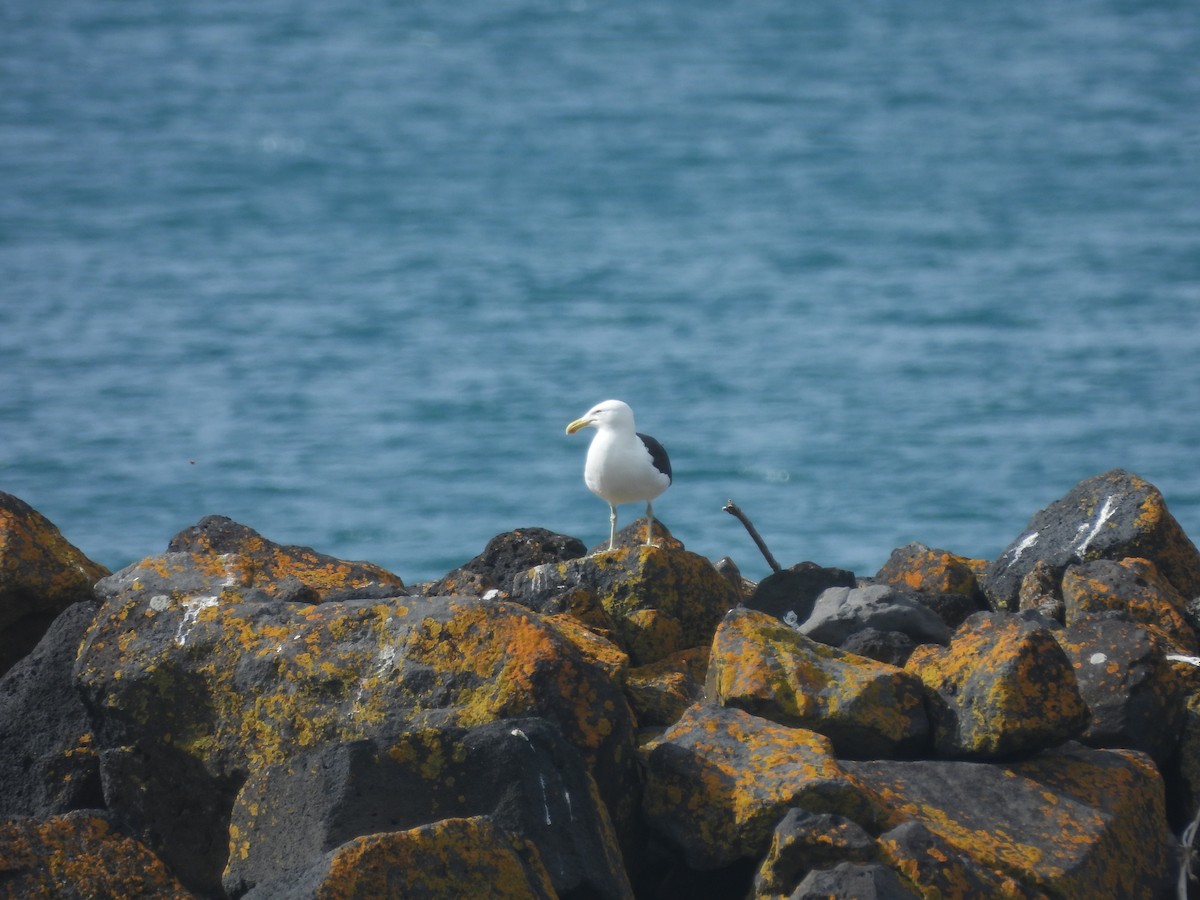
x=789, y=594
x=1003, y=686
x=937, y=868
x=1133, y=587
x=1110, y=516
x=1133, y=693
x=48, y=762
x=520, y=774
x=866, y=708
x=449, y=858
x=891, y=647
x=840, y=612
x=805, y=841
x=262, y=721
x=943, y=581
x=660, y=693
x=1073, y=822
x=634, y=535
x=79, y=856
x=1041, y=590
x=41, y=574
x=218, y=556
x=929, y=571
x=719, y=780
x=660, y=601
x=188, y=696
x=854, y=881
x=504, y=558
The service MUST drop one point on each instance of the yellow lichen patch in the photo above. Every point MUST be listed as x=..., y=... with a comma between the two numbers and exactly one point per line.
x=659, y=600
x=451, y=858
x=933, y=571
x=426, y=750
x=1002, y=686
x=1144, y=594
x=1102, y=836
x=40, y=571
x=79, y=855
x=868, y=708
x=938, y=869
x=660, y=692
x=652, y=634
x=594, y=647
x=719, y=779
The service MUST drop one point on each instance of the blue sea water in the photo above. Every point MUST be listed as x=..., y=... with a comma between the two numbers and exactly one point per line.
x=879, y=272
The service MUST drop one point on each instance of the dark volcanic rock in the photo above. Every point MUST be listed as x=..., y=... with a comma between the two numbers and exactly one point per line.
x=927, y=570
x=854, y=881
x=41, y=574
x=506, y=556
x=939, y=869
x=48, y=764
x=1135, y=697
x=634, y=535
x=79, y=856
x=718, y=781
x=1110, y=516
x=866, y=708
x=450, y=858
x=659, y=600
x=1003, y=686
x=243, y=558
x=1073, y=822
x=1132, y=587
x=520, y=773
x=789, y=594
x=805, y=841
x=187, y=697
x=891, y=647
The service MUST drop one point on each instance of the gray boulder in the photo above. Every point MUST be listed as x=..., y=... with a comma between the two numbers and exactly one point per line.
x=841, y=611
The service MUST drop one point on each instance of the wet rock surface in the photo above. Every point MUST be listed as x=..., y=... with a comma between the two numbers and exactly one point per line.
x=239, y=718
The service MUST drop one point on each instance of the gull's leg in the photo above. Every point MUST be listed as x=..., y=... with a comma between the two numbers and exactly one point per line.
x=649, y=522
x=612, y=526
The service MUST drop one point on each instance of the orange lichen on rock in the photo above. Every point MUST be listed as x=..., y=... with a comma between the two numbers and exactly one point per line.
x=237, y=686
x=1003, y=686
x=660, y=692
x=928, y=570
x=37, y=564
x=660, y=600
x=1164, y=541
x=228, y=555
x=937, y=868
x=1074, y=822
x=1133, y=586
x=719, y=779
x=41, y=574
x=79, y=854
x=866, y=708
x=451, y=858
x=593, y=645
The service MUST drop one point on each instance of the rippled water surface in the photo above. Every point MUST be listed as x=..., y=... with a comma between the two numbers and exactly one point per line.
x=878, y=272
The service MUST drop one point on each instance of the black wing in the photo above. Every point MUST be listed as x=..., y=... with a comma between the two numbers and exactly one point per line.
x=658, y=454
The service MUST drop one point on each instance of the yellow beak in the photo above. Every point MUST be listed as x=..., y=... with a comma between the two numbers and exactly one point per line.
x=578, y=424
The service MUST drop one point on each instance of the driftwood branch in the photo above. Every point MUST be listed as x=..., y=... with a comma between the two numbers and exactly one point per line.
x=734, y=510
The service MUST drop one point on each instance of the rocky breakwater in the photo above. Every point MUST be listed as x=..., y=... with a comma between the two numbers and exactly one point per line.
x=236, y=718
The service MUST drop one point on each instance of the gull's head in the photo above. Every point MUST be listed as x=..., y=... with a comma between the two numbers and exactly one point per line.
x=609, y=414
